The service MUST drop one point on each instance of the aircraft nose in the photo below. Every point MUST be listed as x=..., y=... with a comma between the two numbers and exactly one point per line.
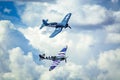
x=70, y=13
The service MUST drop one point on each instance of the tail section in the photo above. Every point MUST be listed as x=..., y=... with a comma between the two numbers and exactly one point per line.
x=42, y=56
x=44, y=23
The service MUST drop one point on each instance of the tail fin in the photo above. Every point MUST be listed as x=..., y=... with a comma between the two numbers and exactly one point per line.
x=44, y=23
x=42, y=56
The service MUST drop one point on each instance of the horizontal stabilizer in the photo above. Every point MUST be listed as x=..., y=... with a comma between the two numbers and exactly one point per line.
x=44, y=23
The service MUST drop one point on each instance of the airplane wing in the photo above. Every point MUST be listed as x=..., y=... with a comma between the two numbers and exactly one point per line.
x=62, y=52
x=66, y=19
x=57, y=30
x=54, y=64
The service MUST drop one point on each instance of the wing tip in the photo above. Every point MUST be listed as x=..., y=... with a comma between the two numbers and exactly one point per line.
x=70, y=13
x=51, y=36
x=51, y=68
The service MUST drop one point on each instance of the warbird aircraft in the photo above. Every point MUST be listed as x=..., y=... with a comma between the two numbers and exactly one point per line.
x=56, y=59
x=58, y=26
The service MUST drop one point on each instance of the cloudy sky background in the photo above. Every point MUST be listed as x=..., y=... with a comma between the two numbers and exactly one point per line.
x=93, y=42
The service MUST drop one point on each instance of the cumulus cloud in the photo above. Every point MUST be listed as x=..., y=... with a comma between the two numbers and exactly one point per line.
x=82, y=14
x=114, y=1
x=15, y=65
x=92, y=14
x=113, y=33
x=79, y=44
x=116, y=16
x=17, y=45
x=47, y=1
x=23, y=67
x=108, y=62
x=20, y=66
x=113, y=38
x=69, y=71
x=10, y=37
x=31, y=14
x=114, y=28
x=5, y=26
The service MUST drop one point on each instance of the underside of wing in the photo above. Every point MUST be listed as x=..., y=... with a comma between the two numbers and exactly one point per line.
x=62, y=52
x=57, y=30
x=54, y=64
x=66, y=19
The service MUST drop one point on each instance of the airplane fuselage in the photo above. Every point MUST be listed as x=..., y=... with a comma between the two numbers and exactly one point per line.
x=57, y=25
x=60, y=58
x=54, y=58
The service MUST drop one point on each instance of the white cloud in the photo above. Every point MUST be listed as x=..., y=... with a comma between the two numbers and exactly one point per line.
x=109, y=57
x=109, y=62
x=5, y=26
x=81, y=14
x=114, y=1
x=113, y=33
x=9, y=38
x=32, y=13
x=69, y=71
x=116, y=16
x=92, y=14
x=79, y=44
x=113, y=28
x=23, y=67
x=113, y=38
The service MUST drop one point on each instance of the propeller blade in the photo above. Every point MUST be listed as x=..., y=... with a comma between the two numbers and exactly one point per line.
x=65, y=60
x=69, y=27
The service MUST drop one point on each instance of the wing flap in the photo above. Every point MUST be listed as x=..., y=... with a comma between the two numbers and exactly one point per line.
x=54, y=64
x=57, y=30
x=66, y=19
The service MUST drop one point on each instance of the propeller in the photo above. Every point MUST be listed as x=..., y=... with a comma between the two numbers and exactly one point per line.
x=66, y=59
x=69, y=27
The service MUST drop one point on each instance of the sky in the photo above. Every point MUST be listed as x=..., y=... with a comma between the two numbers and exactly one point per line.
x=93, y=42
